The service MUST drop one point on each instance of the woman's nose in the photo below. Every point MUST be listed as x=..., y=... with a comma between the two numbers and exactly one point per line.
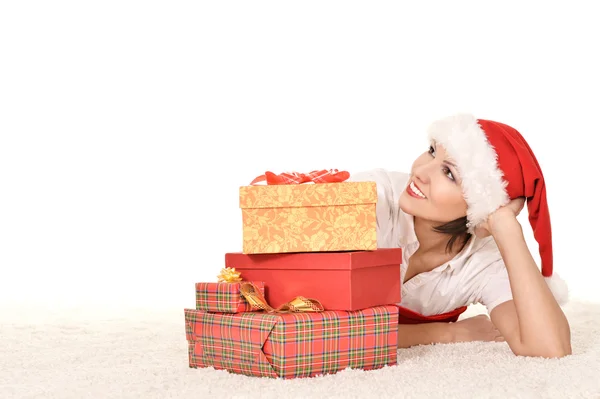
x=424, y=170
x=421, y=174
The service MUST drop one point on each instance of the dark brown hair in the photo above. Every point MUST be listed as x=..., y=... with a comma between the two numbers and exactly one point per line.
x=458, y=231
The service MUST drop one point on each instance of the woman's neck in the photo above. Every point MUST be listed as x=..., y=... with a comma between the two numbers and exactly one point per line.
x=431, y=241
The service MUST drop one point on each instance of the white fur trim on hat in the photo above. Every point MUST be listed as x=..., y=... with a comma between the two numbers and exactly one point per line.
x=484, y=189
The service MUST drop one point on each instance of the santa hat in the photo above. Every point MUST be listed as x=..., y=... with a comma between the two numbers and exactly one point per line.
x=496, y=165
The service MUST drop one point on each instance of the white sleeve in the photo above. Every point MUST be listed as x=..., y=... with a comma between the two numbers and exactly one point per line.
x=386, y=208
x=496, y=286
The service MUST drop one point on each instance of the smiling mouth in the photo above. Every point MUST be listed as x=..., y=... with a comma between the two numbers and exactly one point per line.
x=414, y=191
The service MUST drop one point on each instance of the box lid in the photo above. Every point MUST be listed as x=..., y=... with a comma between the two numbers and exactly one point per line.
x=344, y=260
x=305, y=195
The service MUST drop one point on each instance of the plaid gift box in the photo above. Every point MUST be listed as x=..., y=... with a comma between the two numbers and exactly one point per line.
x=223, y=297
x=293, y=345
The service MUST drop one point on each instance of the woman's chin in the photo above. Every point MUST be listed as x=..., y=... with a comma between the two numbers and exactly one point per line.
x=407, y=204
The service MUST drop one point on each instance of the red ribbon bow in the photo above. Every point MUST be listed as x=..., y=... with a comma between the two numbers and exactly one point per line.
x=316, y=176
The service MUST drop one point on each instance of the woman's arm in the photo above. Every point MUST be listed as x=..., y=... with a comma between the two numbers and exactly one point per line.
x=477, y=328
x=423, y=334
x=533, y=323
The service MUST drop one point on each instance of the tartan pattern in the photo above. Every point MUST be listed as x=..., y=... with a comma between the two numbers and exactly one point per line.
x=223, y=297
x=230, y=342
x=293, y=345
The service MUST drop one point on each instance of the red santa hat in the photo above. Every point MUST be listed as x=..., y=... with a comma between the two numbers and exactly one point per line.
x=497, y=165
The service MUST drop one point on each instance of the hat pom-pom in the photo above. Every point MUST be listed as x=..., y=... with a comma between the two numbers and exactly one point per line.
x=559, y=288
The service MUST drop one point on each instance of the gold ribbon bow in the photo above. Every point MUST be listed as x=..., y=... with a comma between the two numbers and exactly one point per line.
x=258, y=301
x=229, y=275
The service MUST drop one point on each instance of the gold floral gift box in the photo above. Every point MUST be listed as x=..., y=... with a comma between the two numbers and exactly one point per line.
x=313, y=216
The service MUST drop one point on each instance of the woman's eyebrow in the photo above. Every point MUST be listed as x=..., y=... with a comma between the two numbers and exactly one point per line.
x=451, y=163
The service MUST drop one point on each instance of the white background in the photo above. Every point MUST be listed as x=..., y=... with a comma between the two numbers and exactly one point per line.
x=127, y=127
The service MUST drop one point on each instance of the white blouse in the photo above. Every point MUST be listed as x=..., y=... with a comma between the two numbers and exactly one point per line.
x=476, y=275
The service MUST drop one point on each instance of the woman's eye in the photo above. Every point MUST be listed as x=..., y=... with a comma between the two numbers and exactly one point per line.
x=448, y=173
x=431, y=150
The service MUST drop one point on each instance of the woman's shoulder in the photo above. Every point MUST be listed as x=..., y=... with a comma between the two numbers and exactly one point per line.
x=484, y=254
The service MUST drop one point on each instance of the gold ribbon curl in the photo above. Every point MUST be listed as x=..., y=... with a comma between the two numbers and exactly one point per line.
x=299, y=304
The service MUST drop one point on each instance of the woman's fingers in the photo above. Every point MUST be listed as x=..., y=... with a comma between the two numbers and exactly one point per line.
x=498, y=336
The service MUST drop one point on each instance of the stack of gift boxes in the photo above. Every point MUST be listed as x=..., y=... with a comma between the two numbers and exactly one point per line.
x=309, y=294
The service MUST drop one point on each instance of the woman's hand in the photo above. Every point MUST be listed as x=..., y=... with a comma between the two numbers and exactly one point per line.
x=513, y=208
x=477, y=328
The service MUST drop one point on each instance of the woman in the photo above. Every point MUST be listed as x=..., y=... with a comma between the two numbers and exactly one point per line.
x=455, y=216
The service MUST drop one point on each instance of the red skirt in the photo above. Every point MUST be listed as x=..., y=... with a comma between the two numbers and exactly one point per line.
x=407, y=316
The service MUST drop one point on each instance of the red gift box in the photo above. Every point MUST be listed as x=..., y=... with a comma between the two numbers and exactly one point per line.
x=293, y=345
x=223, y=297
x=339, y=280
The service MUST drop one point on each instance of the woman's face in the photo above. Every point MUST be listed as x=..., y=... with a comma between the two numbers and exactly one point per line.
x=434, y=191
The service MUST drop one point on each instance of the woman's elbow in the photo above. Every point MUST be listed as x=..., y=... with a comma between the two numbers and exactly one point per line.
x=547, y=351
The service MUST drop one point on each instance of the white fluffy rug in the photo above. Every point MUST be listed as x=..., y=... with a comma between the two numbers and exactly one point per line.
x=127, y=353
